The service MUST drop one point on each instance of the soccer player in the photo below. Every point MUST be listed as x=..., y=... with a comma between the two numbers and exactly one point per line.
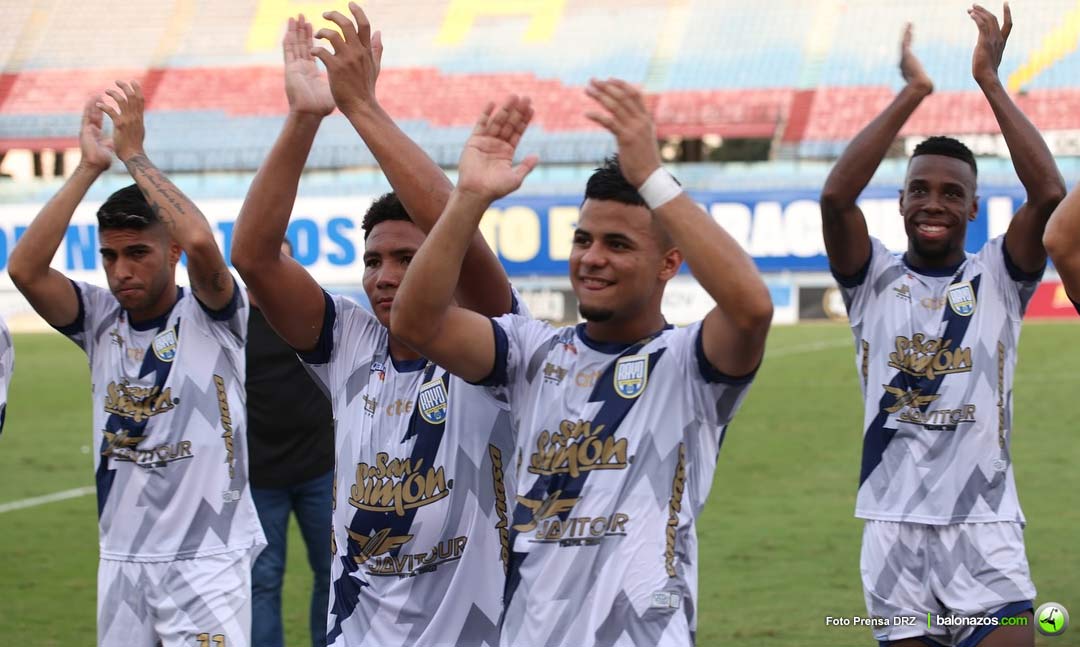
x=1062, y=241
x=423, y=460
x=178, y=530
x=618, y=420
x=936, y=333
x=291, y=436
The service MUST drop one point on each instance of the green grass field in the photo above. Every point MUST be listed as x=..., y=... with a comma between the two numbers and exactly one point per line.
x=779, y=545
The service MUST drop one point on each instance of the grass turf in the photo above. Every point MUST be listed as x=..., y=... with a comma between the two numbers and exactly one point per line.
x=779, y=547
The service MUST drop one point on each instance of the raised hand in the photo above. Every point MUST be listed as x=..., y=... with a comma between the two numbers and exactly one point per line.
x=626, y=117
x=307, y=90
x=910, y=66
x=991, y=45
x=97, y=149
x=486, y=168
x=127, y=118
x=353, y=68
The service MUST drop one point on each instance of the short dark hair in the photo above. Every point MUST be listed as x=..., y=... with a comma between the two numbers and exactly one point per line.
x=949, y=147
x=127, y=209
x=607, y=183
x=386, y=207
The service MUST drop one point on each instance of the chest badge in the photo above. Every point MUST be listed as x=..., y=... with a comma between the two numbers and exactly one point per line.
x=631, y=375
x=962, y=299
x=432, y=401
x=165, y=345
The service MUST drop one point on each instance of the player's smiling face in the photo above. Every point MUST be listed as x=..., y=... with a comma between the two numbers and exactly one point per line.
x=937, y=202
x=617, y=265
x=140, y=265
x=387, y=253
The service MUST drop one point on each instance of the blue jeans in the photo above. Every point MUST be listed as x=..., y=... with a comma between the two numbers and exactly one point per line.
x=311, y=502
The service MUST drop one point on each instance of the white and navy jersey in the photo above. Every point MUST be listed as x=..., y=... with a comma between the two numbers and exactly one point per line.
x=170, y=455
x=617, y=447
x=936, y=356
x=423, y=466
x=7, y=366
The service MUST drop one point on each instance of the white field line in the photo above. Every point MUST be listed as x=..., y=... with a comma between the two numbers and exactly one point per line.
x=800, y=349
x=35, y=501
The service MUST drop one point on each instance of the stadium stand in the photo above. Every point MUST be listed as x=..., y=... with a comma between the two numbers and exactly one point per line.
x=806, y=75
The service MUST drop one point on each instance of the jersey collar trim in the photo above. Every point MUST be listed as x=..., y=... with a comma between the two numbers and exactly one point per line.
x=933, y=271
x=156, y=322
x=611, y=347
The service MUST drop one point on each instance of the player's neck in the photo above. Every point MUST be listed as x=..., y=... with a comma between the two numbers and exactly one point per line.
x=401, y=352
x=164, y=304
x=949, y=261
x=625, y=331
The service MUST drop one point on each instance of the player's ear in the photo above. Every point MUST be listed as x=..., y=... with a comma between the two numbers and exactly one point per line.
x=974, y=212
x=174, y=253
x=670, y=264
x=900, y=192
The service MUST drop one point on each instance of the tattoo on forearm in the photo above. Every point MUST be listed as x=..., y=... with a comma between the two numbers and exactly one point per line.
x=178, y=205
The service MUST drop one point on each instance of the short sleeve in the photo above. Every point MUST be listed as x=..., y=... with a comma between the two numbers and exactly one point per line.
x=859, y=290
x=713, y=396
x=97, y=306
x=1015, y=286
x=229, y=324
x=349, y=338
x=518, y=340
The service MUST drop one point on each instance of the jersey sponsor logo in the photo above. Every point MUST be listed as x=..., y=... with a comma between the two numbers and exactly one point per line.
x=432, y=401
x=226, y=423
x=932, y=303
x=502, y=526
x=939, y=419
x=631, y=375
x=150, y=457
x=574, y=531
x=119, y=441
x=398, y=408
x=678, y=485
x=907, y=398
x=378, y=543
x=381, y=554
x=587, y=379
x=554, y=374
x=396, y=485
x=929, y=357
x=165, y=345
x=575, y=448
x=138, y=402
x=962, y=299
x=370, y=404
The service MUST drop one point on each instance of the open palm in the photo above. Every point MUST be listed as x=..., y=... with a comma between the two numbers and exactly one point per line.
x=487, y=163
x=97, y=149
x=306, y=88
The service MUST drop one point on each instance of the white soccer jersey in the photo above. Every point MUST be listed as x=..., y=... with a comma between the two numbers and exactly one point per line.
x=169, y=423
x=7, y=365
x=420, y=521
x=617, y=446
x=936, y=357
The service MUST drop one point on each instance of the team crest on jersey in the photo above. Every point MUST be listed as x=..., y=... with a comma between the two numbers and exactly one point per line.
x=631, y=375
x=962, y=299
x=433, y=402
x=165, y=345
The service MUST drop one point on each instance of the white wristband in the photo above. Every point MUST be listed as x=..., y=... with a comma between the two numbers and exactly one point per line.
x=659, y=189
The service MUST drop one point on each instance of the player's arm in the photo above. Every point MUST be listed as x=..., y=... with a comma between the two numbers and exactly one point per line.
x=733, y=333
x=211, y=282
x=460, y=340
x=1062, y=241
x=289, y=297
x=1031, y=158
x=48, y=291
x=419, y=183
x=843, y=226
